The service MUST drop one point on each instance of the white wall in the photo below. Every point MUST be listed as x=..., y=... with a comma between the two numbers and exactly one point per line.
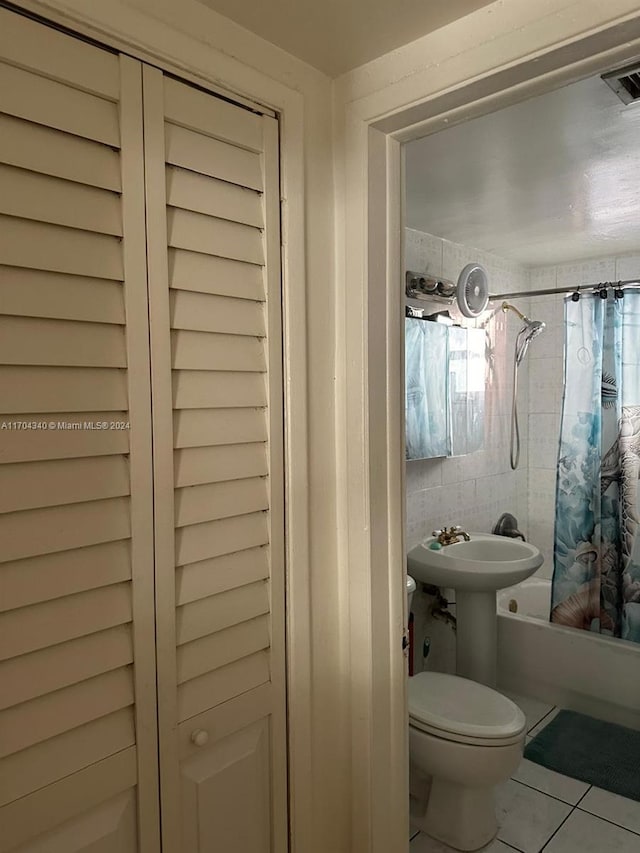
x=546, y=382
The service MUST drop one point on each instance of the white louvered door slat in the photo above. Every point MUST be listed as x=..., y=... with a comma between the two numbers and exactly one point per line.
x=57, y=105
x=213, y=313
x=35, y=293
x=60, y=155
x=206, y=155
x=28, y=244
x=209, y=577
x=200, y=194
x=223, y=647
x=51, y=576
x=78, y=741
x=53, y=54
x=196, y=351
x=57, y=200
x=216, y=381
x=196, y=273
x=63, y=342
x=58, y=666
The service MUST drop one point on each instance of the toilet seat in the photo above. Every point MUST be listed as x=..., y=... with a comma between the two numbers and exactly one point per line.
x=461, y=710
x=456, y=737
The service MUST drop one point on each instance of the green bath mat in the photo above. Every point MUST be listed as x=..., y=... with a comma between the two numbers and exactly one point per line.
x=590, y=750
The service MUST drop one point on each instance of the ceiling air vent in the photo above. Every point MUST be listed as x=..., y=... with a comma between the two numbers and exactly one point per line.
x=625, y=82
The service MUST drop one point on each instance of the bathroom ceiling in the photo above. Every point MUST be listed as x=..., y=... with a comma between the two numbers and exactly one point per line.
x=549, y=180
x=336, y=35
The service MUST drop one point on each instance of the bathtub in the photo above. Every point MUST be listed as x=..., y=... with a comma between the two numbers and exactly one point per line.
x=575, y=669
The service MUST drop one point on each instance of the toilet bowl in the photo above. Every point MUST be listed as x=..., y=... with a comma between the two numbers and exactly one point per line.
x=464, y=739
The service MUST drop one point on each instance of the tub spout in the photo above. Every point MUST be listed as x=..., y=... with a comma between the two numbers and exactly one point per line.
x=507, y=525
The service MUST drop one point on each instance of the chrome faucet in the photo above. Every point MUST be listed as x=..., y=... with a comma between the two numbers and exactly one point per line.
x=451, y=536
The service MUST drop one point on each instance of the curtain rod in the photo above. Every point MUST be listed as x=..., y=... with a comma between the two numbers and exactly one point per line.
x=581, y=288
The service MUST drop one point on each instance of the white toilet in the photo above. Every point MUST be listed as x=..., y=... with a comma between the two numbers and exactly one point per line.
x=464, y=738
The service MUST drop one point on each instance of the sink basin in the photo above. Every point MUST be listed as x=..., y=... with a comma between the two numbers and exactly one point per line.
x=475, y=569
x=484, y=564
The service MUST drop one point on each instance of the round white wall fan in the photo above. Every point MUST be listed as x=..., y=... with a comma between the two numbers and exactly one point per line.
x=472, y=292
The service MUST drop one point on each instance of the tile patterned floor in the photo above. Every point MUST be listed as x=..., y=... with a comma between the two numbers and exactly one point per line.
x=539, y=810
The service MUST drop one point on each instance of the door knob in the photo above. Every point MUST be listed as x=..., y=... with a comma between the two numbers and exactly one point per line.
x=200, y=737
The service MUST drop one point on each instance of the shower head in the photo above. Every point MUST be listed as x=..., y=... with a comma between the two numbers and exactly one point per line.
x=534, y=327
x=527, y=333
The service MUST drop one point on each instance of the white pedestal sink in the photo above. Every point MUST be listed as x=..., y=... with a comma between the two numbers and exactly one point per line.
x=476, y=570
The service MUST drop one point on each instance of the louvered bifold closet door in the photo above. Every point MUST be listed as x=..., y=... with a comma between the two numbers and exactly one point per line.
x=78, y=742
x=214, y=268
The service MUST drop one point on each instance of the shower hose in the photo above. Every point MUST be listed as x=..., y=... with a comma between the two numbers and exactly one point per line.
x=514, y=451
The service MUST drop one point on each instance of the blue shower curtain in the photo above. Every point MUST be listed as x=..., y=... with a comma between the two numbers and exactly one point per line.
x=596, y=579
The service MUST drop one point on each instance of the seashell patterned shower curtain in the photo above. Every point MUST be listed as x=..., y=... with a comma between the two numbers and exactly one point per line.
x=596, y=578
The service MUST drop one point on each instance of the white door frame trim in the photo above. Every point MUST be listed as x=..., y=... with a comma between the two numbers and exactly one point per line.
x=392, y=100
x=119, y=25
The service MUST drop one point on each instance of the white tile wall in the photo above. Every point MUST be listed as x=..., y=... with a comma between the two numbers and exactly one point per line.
x=544, y=430
x=423, y=474
x=586, y=272
x=471, y=490
x=627, y=266
x=545, y=391
x=423, y=252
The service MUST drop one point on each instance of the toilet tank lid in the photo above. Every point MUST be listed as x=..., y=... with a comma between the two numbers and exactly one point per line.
x=459, y=705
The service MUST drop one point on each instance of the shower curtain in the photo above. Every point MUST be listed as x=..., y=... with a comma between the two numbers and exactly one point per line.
x=596, y=578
